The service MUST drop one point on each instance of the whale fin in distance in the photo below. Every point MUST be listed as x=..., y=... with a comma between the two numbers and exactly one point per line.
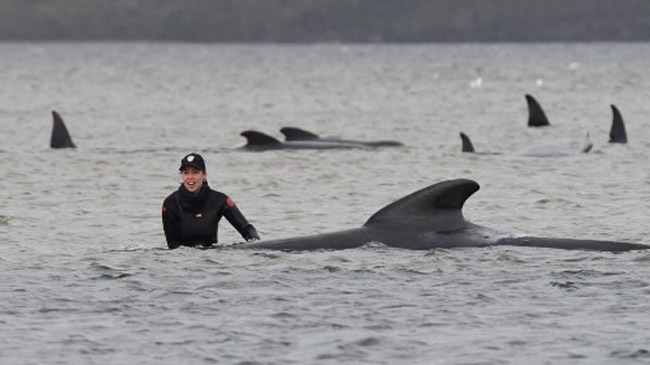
x=617, y=133
x=467, y=143
x=297, y=134
x=60, y=136
x=587, y=144
x=536, y=115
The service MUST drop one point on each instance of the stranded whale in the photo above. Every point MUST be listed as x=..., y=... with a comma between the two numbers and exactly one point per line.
x=426, y=219
x=296, y=134
x=60, y=136
x=258, y=141
x=532, y=151
x=536, y=115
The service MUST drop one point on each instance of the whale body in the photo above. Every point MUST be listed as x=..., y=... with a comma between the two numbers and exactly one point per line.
x=548, y=150
x=297, y=134
x=427, y=219
x=258, y=141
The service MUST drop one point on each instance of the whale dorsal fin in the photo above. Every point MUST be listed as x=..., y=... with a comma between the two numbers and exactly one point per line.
x=587, y=145
x=536, y=115
x=467, y=143
x=617, y=133
x=441, y=202
x=60, y=136
x=297, y=134
x=256, y=138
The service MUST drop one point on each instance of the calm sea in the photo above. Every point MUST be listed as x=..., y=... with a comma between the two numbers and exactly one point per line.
x=86, y=277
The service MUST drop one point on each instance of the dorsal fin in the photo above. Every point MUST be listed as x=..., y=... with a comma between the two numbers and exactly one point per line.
x=433, y=202
x=587, y=144
x=60, y=136
x=617, y=133
x=256, y=138
x=536, y=115
x=467, y=143
x=297, y=134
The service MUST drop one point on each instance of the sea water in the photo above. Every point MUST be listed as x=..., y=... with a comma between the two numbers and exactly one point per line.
x=86, y=276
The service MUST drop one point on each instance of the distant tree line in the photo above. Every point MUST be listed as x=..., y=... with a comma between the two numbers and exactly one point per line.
x=326, y=20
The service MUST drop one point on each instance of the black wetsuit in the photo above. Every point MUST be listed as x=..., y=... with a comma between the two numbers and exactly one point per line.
x=193, y=220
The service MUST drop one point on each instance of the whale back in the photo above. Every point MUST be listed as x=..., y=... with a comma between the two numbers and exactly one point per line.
x=536, y=115
x=437, y=207
x=60, y=136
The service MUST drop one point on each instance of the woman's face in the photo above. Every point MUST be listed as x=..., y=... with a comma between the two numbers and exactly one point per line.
x=193, y=179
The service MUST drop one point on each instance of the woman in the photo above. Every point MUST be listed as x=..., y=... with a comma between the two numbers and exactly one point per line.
x=191, y=214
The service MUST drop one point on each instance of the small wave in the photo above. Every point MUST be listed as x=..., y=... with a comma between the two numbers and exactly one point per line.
x=637, y=354
x=373, y=245
x=643, y=258
x=569, y=285
x=330, y=268
x=368, y=341
x=267, y=255
x=583, y=274
x=420, y=272
x=111, y=277
x=4, y=220
x=107, y=272
x=283, y=315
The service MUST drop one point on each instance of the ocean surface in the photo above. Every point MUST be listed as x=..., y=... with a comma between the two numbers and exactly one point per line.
x=86, y=277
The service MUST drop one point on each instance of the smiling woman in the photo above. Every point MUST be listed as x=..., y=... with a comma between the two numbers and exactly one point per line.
x=192, y=213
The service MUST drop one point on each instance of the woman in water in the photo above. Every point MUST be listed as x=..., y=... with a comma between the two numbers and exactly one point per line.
x=191, y=214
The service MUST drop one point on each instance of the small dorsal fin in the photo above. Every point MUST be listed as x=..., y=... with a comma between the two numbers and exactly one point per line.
x=60, y=136
x=587, y=144
x=256, y=138
x=467, y=143
x=536, y=115
x=420, y=208
x=297, y=134
x=617, y=133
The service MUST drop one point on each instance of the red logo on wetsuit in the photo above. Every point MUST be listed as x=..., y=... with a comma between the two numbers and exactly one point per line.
x=164, y=209
x=230, y=202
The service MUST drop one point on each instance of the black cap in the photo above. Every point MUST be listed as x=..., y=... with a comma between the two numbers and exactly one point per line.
x=194, y=160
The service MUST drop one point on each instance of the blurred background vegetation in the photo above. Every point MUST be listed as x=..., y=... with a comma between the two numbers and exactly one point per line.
x=326, y=20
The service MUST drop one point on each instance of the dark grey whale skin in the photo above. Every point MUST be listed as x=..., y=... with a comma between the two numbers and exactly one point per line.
x=60, y=137
x=427, y=219
x=292, y=134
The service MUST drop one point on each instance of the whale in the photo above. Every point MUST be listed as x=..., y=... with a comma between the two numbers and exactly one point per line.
x=617, y=133
x=542, y=150
x=430, y=218
x=297, y=134
x=258, y=141
x=60, y=137
x=536, y=115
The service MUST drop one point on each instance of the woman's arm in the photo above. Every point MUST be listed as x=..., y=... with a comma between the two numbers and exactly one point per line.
x=170, y=219
x=237, y=219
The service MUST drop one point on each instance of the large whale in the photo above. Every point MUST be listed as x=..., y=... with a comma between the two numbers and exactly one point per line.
x=617, y=132
x=536, y=115
x=427, y=219
x=258, y=141
x=548, y=150
x=292, y=134
x=60, y=136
